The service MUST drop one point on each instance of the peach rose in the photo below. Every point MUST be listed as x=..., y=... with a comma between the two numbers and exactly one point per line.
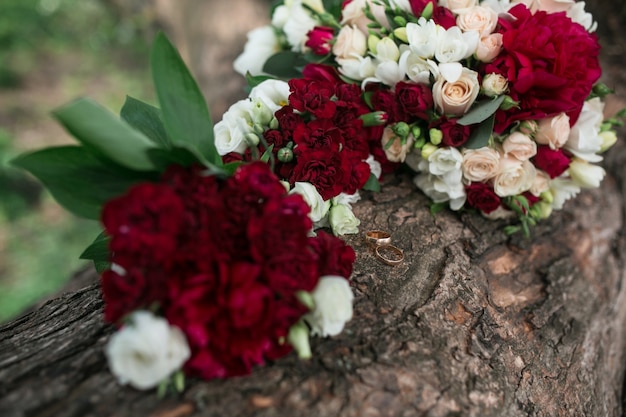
x=494, y=85
x=480, y=164
x=397, y=151
x=481, y=19
x=353, y=13
x=455, y=5
x=515, y=177
x=541, y=183
x=350, y=42
x=553, y=131
x=456, y=98
x=489, y=47
x=519, y=146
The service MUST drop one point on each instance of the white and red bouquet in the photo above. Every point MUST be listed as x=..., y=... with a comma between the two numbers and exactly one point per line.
x=207, y=268
x=495, y=103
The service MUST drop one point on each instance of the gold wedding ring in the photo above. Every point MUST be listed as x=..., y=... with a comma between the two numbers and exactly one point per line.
x=390, y=254
x=376, y=238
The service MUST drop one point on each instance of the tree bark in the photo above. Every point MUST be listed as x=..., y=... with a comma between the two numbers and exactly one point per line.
x=472, y=323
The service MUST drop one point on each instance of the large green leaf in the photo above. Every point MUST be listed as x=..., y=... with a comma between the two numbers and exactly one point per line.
x=146, y=119
x=105, y=133
x=98, y=251
x=284, y=64
x=481, y=134
x=372, y=184
x=77, y=179
x=185, y=113
x=481, y=111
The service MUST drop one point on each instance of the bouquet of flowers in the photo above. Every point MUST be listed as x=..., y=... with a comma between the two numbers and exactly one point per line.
x=495, y=103
x=207, y=268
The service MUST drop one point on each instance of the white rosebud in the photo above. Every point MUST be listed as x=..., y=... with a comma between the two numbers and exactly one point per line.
x=520, y=146
x=146, y=351
x=515, y=177
x=350, y=42
x=319, y=207
x=553, y=131
x=495, y=85
x=481, y=19
x=342, y=220
x=262, y=43
x=489, y=47
x=481, y=164
x=584, y=174
x=333, y=306
x=446, y=162
x=455, y=98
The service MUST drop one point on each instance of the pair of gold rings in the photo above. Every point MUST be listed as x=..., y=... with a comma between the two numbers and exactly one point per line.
x=380, y=241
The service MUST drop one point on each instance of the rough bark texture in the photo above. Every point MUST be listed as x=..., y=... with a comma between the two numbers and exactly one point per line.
x=472, y=323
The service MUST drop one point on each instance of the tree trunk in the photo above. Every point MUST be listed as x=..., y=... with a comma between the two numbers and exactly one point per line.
x=472, y=323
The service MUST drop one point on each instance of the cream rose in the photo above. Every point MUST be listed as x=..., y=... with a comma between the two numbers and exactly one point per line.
x=515, y=177
x=457, y=97
x=541, y=183
x=353, y=13
x=481, y=19
x=333, y=306
x=319, y=207
x=455, y=5
x=480, y=164
x=553, y=131
x=350, y=42
x=342, y=220
x=494, y=85
x=548, y=6
x=396, y=151
x=520, y=146
x=489, y=47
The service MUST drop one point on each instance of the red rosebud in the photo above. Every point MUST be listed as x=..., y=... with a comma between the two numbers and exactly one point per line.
x=553, y=162
x=454, y=134
x=444, y=17
x=482, y=197
x=414, y=99
x=319, y=39
x=321, y=72
x=418, y=6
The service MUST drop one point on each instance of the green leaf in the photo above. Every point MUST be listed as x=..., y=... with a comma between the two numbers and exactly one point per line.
x=481, y=111
x=284, y=64
x=98, y=250
x=146, y=119
x=103, y=132
x=333, y=7
x=231, y=167
x=101, y=266
x=372, y=184
x=481, y=134
x=163, y=158
x=267, y=154
x=77, y=179
x=437, y=208
x=185, y=113
x=254, y=80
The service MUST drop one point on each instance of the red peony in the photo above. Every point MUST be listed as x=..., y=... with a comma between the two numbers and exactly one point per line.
x=553, y=162
x=551, y=64
x=482, y=197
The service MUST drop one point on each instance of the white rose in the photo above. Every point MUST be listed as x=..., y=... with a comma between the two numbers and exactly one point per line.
x=520, y=146
x=350, y=42
x=333, y=306
x=478, y=18
x=353, y=13
x=455, y=98
x=146, y=351
x=553, y=131
x=261, y=45
x=562, y=189
x=494, y=85
x=319, y=207
x=584, y=174
x=273, y=93
x=455, y=5
x=489, y=47
x=584, y=139
x=230, y=132
x=515, y=177
x=454, y=45
x=541, y=183
x=342, y=220
x=446, y=161
x=481, y=164
x=396, y=151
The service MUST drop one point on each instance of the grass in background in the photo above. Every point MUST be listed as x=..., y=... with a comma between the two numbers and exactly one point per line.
x=52, y=51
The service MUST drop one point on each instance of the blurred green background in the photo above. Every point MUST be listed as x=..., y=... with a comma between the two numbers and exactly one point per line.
x=52, y=51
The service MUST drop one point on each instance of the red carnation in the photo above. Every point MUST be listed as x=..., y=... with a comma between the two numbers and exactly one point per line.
x=553, y=162
x=312, y=96
x=328, y=171
x=321, y=72
x=319, y=39
x=319, y=134
x=335, y=257
x=482, y=197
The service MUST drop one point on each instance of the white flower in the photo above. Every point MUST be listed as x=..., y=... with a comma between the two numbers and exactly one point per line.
x=347, y=199
x=562, y=189
x=584, y=174
x=553, y=131
x=455, y=98
x=578, y=14
x=375, y=167
x=519, y=146
x=417, y=69
x=262, y=43
x=273, y=93
x=230, y=132
x=455, y=5
x=315, y=5
x=333, y=306
x=454, y=45
x=423, y=37
x=442, y=180
x=350, y=42
x=146, y=351
x=342, y=220
x=403, y=5
x=481, y=164
x=478, y=18
x=515, y=177
x=319, y=207
x=353, y=13
x=357, y=68
x=494, y=85
x=446, y=162
x=584, y=139
x=298, y=23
